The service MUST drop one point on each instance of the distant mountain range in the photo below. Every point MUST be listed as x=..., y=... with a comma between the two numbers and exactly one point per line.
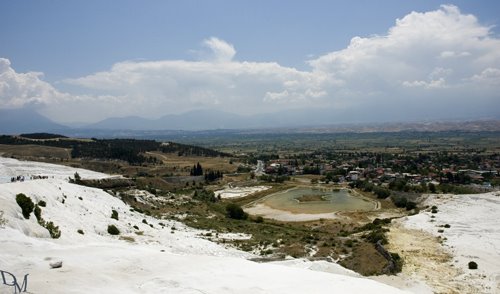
x=214, y=119
x=15, y=121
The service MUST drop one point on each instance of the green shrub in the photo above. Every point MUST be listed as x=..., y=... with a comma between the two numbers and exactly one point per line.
x=113, y=230
x=259, y=219
x=375, y=236
x=410, y=205
x=53, y=230
x=78, y=179
x=432, y=188
x=38, y=213
x=114, y=214
x=400, y=201
x=204, y=195
x=42, y=203
x=398, y=262
x=235, y=211
x=472, y=265
x=381, y=192
x=349, y=243
x=26, y=204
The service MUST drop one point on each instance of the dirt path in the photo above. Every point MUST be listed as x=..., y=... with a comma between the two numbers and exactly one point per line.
x=427, y=260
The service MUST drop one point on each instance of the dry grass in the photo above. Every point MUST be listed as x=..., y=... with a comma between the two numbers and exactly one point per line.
x=34, y=151
x=185, y=163
x=423, y=257
x=365, y=259
x=127, y=238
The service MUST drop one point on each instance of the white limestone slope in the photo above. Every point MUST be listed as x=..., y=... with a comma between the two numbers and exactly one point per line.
x=10, y=167
x=473, y=235
x=158, y=260
x=239, y=192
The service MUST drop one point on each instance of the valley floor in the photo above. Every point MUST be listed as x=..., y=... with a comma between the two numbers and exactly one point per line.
x=155, y=256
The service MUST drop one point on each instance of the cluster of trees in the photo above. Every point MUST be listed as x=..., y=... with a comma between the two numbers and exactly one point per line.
x=253, y=158
x=401, y=185
x=235, y=211
x=274, y=178
x=244, y=169
x=402, y=202
x=210, y=176
x=13, y=140
x=281, y=170
x=190, y=150
x=26, y=139
x=455, y=189
x=312, y=170
x=204, y=195
x=196, y=170
x=122, y=149
x=333, y=176
x=459, y=178
x=42, y=136
x=366, y=186
x=129, y=150
x=213, y=175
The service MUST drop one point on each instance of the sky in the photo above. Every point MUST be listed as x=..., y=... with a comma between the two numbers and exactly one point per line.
x=84, y=61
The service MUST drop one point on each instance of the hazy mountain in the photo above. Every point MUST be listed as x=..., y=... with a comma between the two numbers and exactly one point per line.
x=214, y=119
x=193, y=120
x=124, y=123
x=200, y=120
x=15, y=121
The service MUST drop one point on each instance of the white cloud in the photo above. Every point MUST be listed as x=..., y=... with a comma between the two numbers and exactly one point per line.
x=23, y=89
x=19, y=90
x=437, y=57
x=489, y=76
x=179, y=85
x=413, y=48
x=437, y=52
x=432, y=84
x=452, y=54
x=222, y=51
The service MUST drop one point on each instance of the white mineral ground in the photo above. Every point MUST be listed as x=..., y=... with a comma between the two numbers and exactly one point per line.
x=439, y=256
x=238, y=192
x=263, y=210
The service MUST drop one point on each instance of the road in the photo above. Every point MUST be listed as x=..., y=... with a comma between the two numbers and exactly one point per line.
x=259, y=170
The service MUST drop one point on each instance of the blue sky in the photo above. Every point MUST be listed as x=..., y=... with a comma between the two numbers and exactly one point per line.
x=72, y=38
x=78, y=45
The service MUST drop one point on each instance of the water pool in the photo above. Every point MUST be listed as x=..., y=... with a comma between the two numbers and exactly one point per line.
x=310, y=200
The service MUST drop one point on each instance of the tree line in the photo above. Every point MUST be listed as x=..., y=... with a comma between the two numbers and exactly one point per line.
x=129, y=150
